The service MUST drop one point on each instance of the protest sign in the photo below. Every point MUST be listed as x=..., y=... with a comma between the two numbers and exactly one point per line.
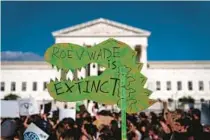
x=34, y=133
x=107, y=88
x=9, y=109
x=67, y=113
x=47, y=107
x=121, y=83
x=28, y=107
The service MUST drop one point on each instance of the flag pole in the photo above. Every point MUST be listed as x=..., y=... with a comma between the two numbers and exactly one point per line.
x=123, y=103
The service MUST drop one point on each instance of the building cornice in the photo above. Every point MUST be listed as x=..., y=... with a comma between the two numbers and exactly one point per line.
x=97, y=35
x=151, y=65
x=21, y=65
x=205, y=64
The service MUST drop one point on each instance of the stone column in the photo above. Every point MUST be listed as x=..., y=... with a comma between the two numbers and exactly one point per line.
x=94, y=69
x=75, y=75
x=81, y=73
x=87, y=67
x=138, y=50
x=144, y=58
x=98, y=69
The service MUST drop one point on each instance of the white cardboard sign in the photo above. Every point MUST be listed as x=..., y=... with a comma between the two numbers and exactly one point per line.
x=9, y=109
x=35, y=133
x=66, y=113
x=28, y=107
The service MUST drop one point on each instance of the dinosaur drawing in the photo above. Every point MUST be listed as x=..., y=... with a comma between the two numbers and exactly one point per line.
x=105, y=88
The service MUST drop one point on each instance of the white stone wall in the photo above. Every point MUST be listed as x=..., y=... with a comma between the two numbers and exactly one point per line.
x=183, y=75
x=28, y=76
x=163, y=75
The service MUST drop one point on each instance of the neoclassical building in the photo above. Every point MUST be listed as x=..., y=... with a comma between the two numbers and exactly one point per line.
x=167, y=79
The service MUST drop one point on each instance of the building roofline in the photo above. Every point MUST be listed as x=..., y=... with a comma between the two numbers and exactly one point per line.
x=22, y=62
x=195, y=64
x=73, y=28
x=181, y=62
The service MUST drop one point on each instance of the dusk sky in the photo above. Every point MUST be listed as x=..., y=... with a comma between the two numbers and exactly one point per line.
x=179, y=30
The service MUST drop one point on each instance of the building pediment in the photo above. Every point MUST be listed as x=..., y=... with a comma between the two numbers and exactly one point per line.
x=101, y=27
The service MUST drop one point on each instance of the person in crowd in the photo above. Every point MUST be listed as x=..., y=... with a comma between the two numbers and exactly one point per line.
x=115, y=129
x=180, y=130
x=206, y=131
x=133, y=132
x=143, y=126
x=165, y=129
x=60, y=129
x=154, y=133
x=196, y=129
x=153, y=118
x=105, y=133
x=68, y=135
x=8, y=129
x=88, y=132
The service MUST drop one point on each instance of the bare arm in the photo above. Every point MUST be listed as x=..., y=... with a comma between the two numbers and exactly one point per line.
x=165, y=110
x=26, y=122
x=165, y=128
x=168, y=116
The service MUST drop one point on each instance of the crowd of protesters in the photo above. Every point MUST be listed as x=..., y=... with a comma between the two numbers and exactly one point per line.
x=167, y=125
